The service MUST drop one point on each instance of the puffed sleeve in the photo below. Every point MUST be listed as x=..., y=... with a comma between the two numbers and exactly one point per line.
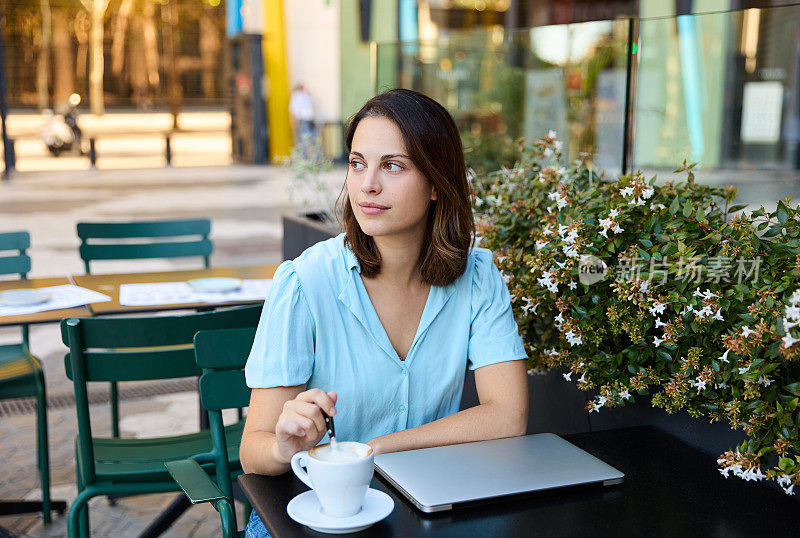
x=283, y=350
x=493, y=335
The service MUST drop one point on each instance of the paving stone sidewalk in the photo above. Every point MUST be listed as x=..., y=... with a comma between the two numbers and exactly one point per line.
x=245, y=204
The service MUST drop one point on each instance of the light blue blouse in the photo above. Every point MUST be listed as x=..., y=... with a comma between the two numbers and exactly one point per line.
x=319, y=328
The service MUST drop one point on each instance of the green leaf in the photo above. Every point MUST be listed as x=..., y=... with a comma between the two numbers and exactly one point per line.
x=687, y=209
x=646, y=242
x=783, y=213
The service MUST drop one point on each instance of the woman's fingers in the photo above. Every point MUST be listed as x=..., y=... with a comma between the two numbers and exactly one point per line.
x=321, y=398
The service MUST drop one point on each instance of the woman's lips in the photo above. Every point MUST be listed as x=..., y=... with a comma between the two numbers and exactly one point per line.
x=372, y=209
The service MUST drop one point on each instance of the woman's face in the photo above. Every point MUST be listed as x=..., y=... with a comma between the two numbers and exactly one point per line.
x=390, y=197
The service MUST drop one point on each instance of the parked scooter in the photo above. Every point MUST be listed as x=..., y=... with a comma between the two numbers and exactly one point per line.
x=60, y=132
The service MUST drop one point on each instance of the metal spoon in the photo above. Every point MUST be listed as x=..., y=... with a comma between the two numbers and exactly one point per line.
x=331, y=430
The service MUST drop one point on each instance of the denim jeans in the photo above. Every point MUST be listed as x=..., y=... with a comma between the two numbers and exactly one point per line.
x=255, y=527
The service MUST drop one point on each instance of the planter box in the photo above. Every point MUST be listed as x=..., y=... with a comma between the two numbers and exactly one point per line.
x=303, y=230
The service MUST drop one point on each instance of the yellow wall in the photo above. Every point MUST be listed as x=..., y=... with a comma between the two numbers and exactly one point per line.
x=277, y=74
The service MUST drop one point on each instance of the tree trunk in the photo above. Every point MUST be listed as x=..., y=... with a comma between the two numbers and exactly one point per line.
x=43, y=63
x=170, y=17
x=64, y=79
x=96, y=100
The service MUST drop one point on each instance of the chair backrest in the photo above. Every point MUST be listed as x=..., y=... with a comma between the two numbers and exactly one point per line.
x=18, y=262
x=133, y=349
x=140, y=240
x=222, y=355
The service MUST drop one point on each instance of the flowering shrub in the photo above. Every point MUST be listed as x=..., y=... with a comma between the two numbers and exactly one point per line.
x=635, y=288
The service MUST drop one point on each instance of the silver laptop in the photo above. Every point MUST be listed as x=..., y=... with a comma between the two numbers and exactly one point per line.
x=441, y=478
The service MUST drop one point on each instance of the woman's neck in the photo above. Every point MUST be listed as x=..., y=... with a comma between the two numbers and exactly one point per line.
x=399, y=260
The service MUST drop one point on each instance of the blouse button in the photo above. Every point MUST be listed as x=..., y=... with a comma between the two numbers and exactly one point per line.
x=405, y=372
x=402, y=408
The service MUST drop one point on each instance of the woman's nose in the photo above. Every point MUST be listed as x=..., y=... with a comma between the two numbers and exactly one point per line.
x=371, y=183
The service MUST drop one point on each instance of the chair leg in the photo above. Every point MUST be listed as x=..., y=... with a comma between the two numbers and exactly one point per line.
x=42, y=449
x=83, y=514
x=78, y=516
x=114, y=398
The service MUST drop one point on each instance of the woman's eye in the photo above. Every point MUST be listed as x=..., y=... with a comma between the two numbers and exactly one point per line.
x=393, y=167
x=355, y=165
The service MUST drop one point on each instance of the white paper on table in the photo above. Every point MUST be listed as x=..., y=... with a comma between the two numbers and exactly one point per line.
x=156, y=293
x=64, y=296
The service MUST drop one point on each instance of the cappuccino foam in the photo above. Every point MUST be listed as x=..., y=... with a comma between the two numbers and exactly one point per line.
x=346, y=451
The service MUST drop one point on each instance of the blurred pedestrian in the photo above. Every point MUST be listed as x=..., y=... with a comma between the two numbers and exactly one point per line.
x=301, y=112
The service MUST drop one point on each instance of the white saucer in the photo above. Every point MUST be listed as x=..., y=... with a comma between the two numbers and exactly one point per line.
x=23, y=297
x=306, y=510
x=215, y=284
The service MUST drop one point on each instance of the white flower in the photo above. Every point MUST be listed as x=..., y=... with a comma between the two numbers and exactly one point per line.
x=795, y=298
x=627, y=191
x=601, y=400
x=763, y=380
x=561, y=171
x=659, y=323
x=573, y=285
x=718, y=315
x=529, y=307
x=547, y=230
x=617, y=229
x=657, y=341
x=559, y=319
x=648, y=192
x=604, y=233
x=788, y=490
x=789, y=340
x=613, y=213
x=725, y=472
x=688, y=308
x=697, y=293
x=657, y=308
x=708, y=294
x=582, y=378
x=724, y=356
x=789, y=324
x=561, y=264
x=743, y=371
x=723, y=386
x=747, y=331
x=700, y=384
x=570, y=251
x=573, y=339
x=625, y=395
x=704, y=312
x=506, y=278
x=559, y=145
x=644, y=286
x=541, y=244
x=784, y=481
x=571, y=237
x=568, y=376
x=551, y=134
x=658, y=206
x=548, y=152
x=606, y=223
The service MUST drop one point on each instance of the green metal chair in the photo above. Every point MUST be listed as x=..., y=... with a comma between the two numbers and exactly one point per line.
x=142, y=240
x=21, y=376
x=222, y=355
x=134, y=349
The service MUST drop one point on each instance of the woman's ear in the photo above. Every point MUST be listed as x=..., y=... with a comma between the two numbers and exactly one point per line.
x=434, y=195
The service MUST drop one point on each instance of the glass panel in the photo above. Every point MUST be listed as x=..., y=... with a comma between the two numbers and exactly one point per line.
x=722, y=90
x=500, y=86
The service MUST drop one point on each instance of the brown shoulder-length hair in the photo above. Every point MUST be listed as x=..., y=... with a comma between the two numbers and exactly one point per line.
x=434, y=146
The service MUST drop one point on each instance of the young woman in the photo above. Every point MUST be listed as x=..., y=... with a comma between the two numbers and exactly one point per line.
x=378, y=325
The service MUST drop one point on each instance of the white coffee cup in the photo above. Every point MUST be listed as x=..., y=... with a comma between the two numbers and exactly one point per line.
x=339, y=478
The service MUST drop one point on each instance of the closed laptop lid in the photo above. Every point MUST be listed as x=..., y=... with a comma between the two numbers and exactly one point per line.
x=439, y=477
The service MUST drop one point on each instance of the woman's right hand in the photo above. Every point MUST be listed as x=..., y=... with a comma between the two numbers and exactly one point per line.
x=301, y=425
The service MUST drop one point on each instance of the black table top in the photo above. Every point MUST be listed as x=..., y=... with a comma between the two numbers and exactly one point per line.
x=670, y=489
